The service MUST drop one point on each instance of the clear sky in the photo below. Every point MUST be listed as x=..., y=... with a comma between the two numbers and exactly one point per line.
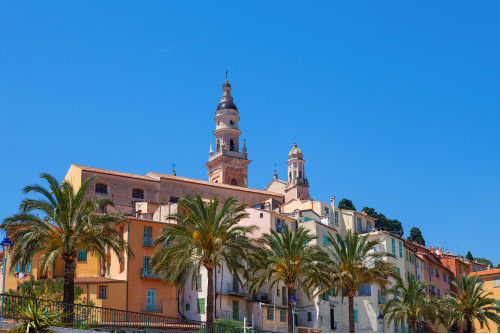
x=395, y=104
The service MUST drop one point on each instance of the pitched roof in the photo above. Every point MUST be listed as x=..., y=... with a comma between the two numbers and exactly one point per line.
x=115, y=173
x=96, y=279
x=212, y=184
x=486, y=272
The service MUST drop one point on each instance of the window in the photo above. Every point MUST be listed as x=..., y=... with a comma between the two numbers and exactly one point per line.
x=360, y=227
x=137, y=193
x=309, y=316
x=368, y=225
x=365, y=290
x=270, y=314
x=198, y=285
x=355, y=315
x=147, y=267
x=236, y=310
x=432, y=271
x=282, y=315
x=261, y=215
x=325, y=240
x=234, y=182
x=496, y=282
x=336, y=218
x=393, y=246
x=406, y=252
x=284, y=300
x=82, y=255
x=101, y=188
x=22, y=268
x=439, y=292
x=174, y=199
x=327, y=211
x=400, y=249
x=399, y=271
x=150, y=300
x=459, y=268
x=437, y=272
x=279, y=225
x=201, y=305
x=188, y=307
x=231, y=145
x=102, y=292
x=147, y=241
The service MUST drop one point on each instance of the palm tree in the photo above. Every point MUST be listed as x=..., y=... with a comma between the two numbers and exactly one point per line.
x=285, y=257
x=353, y=263
x=471, y=303
x=35, y=318
x=58, y=225
x=412, y=302
x=205, y=237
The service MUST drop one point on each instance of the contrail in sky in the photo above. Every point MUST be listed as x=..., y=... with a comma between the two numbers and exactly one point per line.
x=173, y=47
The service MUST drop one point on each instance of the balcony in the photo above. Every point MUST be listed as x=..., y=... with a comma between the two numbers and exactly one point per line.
x=233, y=289
x=147, y=242
x=234, y=316
x=148, y=273
x=145, y=307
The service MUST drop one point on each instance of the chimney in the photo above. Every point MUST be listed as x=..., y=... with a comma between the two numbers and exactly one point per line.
x=332, y=201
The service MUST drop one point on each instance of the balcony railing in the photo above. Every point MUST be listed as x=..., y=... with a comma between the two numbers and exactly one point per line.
x=234, y=316
x=232, y=289
x=152, y=307
x=147, y=242
x=148, y=273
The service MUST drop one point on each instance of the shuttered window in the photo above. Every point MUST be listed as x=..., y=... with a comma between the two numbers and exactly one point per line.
x=201, y=305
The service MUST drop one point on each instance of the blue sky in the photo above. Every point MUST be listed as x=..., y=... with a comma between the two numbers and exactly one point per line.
x=394, y=104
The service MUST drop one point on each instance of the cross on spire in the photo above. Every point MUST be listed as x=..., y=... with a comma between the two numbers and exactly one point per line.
x=173, y=169
x=226, y=74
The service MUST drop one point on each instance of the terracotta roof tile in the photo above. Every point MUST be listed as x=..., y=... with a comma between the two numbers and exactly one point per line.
x=96, y=279
x=486, y=272
x=112, y=172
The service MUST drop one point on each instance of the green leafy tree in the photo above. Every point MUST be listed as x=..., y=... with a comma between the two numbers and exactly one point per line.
x=411, y=302
x=205, y=237
x=286, y=257
x=346, y=204
x=471, y=303
x=383, y=223
x=484, y=261
x=469, y=256
x=58, y=225
x=35, y=318
x=416, y=236
x=353, y=263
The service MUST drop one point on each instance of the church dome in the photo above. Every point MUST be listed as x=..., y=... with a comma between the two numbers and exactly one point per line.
x=226, y=105
x=295, y=151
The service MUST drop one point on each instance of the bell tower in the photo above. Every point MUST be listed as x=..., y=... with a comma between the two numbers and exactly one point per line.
x=227, y=164
x=297, y=186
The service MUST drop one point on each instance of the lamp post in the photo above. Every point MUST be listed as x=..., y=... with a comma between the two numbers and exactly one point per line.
x=380, y=319
x=5, y=244
x=293, y=302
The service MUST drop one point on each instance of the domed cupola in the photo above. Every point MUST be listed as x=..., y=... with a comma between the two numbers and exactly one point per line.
x=226, y=101
x=295, y=152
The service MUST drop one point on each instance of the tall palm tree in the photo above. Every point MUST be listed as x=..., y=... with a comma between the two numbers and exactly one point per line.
x=205, y=237
x=412, y=302
x=285, y=257
x=471, y=303
x=353, y=263
x=58, y=225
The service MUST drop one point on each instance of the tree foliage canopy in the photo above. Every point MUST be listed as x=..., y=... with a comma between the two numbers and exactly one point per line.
x=416, y=236
x=383, y=223
x=346, y=204
x=484, y=261
x=469, y=256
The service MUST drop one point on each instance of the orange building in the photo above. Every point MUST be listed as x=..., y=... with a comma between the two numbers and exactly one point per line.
x=491, y=283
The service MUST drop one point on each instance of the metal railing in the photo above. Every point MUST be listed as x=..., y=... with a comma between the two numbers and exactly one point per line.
x=112, y=320
x=234, y=316
x=148, y=273
x=145, y=307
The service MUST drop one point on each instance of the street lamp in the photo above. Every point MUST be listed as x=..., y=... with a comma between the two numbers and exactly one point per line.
x=293, y=302
x=380, y=319
x=5, y=244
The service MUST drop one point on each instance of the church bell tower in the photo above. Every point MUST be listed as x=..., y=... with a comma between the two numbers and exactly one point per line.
x=227, y=164
x=298, y=185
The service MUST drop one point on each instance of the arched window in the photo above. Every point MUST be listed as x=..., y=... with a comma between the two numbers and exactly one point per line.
x=234, y=182
x=290, y=176
x=231, y=145
x=218, y=145
x=300, y=174
x=137, y=193
x=101, y=188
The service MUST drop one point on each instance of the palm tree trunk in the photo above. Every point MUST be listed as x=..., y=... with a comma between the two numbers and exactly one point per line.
x=468, y=325
x=210, y=301
x=69, y=289
x=290, y=312
x=351, y=314
x=413, y=327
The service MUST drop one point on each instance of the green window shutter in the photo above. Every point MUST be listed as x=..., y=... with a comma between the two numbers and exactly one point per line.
x=325, y=240
x=309, y=316
x=82, y=255
x=236, y=310
x=17, y=268
x=188, y=307
x=393, y=246
x=355, y=315
x=28, y=269
x=399, y=271
x=201, y=305
x=400, y=249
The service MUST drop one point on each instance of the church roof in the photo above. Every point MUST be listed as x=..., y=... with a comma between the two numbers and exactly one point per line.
x=295, y=151
x=226, y=105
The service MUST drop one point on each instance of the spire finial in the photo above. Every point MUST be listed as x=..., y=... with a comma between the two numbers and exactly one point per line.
x=211, y=150
x=275, y=173
x=173, y=169
x=226, y=75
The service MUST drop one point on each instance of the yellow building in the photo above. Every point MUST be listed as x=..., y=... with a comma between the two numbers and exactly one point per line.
x=491, y=283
